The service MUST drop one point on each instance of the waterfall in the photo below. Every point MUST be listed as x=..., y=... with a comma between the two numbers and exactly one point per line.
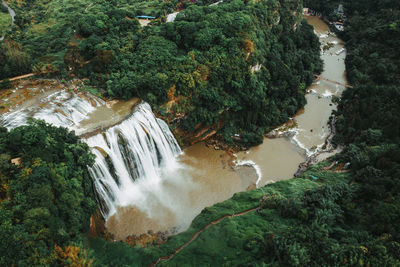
x=131, y=156
x=171, y=17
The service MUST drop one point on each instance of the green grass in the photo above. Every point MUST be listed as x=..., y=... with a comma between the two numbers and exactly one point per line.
x=5, y=23
x=93, y=90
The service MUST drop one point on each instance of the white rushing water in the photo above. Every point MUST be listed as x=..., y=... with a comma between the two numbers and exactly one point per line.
x=130, y=158
x=62, y=108
x=252, y=164
x=171, y=17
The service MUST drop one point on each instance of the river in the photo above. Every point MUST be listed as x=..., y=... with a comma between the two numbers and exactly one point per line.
x=279, y=158
x=162, y=188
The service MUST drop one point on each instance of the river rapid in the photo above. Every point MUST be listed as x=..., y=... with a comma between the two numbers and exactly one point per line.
x=184, y=182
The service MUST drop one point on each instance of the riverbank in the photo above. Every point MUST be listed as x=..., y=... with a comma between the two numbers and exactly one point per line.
x=238, y=225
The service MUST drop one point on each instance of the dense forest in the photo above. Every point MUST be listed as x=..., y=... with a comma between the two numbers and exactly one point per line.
x=240, y=67
x=325, y=217
x=46, y=196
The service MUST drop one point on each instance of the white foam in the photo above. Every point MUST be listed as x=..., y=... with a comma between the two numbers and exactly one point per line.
x=216, y=3
x=171, y=17
x=251, y=164
x=62, y=108
x=327, y=93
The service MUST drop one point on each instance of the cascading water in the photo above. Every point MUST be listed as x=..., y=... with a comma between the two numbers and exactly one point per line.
x=130, y=156
x=171, y=17
x=62, y=108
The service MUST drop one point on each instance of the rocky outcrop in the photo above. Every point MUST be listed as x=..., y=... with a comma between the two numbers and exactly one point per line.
x=148, y=239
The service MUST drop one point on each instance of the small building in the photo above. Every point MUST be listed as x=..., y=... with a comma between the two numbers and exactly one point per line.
x=146, y=17
x=145, y=20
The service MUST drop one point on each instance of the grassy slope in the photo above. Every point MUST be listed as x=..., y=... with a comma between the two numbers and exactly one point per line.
x=5, y=22
x=229, y=242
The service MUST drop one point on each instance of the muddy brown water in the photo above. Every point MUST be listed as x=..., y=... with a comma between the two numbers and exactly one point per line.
x=208, y=178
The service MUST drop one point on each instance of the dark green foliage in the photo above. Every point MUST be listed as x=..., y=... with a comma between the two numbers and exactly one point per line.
x=3, y=9
x=207, y=54
x=370, y=109
x=47, y=200
x=338, y=219
x=5, y=84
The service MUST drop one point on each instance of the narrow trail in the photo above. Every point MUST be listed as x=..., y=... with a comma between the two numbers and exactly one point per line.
x=196, y=234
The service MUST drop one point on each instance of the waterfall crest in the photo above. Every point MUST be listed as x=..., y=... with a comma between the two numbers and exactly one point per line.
x=134, y=152
x=171, y=17
x=63, y=108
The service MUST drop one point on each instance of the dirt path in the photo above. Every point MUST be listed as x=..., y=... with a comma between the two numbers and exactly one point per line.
x=196, y=234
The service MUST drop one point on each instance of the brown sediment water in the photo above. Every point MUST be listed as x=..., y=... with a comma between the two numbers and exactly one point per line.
x=277, y=159
x=206, y=178
x=112, y=112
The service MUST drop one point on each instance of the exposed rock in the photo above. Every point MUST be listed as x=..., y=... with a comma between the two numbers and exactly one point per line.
x=111, y=103
x=97, y=225
x=145, y=240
